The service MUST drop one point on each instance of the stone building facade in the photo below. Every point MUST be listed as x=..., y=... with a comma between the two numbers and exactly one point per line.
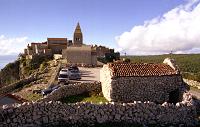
x=54, y=45
x=80, y=55
x=57, y=44
x=74, y=51
x=37, y=49
x=102, y=50
x=128, y=82
x=78, y=36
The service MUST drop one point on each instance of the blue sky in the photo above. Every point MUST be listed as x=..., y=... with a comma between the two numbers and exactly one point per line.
x=101, y=21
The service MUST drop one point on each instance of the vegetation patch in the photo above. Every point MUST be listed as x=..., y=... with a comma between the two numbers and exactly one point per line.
x=10, y=73
x=27, y=93
x=85, y=97
x=32, y=96
x=22, y=68
x=30, y=65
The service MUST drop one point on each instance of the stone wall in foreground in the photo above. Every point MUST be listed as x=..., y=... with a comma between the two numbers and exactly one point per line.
x=56, y=113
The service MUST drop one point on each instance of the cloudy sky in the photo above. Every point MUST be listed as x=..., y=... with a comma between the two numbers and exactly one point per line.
x=177, y=31
x=134, y=26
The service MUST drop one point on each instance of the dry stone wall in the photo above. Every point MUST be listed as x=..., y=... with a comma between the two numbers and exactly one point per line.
x=6, y=89
x=139, y=88
x=55, y=75
x=56, y=113
x=154, y=89
x=73, y=89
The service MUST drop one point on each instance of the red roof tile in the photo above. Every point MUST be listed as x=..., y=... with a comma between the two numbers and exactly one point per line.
x=144, y=69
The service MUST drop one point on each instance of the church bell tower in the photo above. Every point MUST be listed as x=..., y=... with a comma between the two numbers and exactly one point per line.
x=78, y=36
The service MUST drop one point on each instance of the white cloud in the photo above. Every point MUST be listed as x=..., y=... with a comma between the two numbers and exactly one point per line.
x=177, y=30
x=9, y=46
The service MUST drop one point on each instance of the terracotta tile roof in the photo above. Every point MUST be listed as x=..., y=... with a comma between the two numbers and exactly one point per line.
x=144, y=69
x=44, y=42
x=57, y=39
x=35, y=43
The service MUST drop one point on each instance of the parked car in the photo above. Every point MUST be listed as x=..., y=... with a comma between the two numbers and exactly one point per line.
x=74, y=72
x=49, y=90
x=64, y=70
x=74, y=75
x=63, y=76
x=73, y=67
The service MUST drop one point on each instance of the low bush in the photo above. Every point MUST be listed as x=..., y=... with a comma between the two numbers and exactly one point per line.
x=10, y=73
x=85, y=97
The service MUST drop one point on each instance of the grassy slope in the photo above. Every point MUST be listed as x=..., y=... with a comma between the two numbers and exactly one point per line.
x=86, y=97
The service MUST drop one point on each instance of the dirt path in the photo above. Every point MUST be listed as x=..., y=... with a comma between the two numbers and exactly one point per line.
x=195, y=92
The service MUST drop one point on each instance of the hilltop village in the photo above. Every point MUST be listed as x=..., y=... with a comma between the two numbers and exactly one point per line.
x=88, y=85
x=74, y=51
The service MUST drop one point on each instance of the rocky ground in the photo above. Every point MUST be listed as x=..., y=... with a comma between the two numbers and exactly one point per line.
x=29, y=92
x=194, y=87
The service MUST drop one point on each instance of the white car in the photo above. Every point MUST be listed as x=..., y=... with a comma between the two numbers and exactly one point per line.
x=63, y=71
x=63, y=76
x=72, y=73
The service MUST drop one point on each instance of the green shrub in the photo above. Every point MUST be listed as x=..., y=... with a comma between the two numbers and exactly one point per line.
x=36, y=61
x=192, y=76
x=126, y=60
x=85, y=97
x=43, y=65
x=10, y=73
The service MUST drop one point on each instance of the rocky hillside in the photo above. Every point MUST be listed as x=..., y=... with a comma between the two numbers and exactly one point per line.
x=21, y=69
x=10, y=73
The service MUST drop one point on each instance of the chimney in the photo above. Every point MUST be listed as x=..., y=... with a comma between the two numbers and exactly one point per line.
x=172, y=64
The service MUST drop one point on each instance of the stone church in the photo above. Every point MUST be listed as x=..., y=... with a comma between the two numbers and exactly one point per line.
x=78, y=36
x=74, y=51
x=78, y=52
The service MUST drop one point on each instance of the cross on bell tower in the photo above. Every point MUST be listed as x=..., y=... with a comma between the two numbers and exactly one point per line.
x=78, y=36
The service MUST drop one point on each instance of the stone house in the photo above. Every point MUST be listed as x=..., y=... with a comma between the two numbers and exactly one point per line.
x=128, y=82
x=37, y=49
x=102, y=50
x=80, y=55
x=57, y=44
